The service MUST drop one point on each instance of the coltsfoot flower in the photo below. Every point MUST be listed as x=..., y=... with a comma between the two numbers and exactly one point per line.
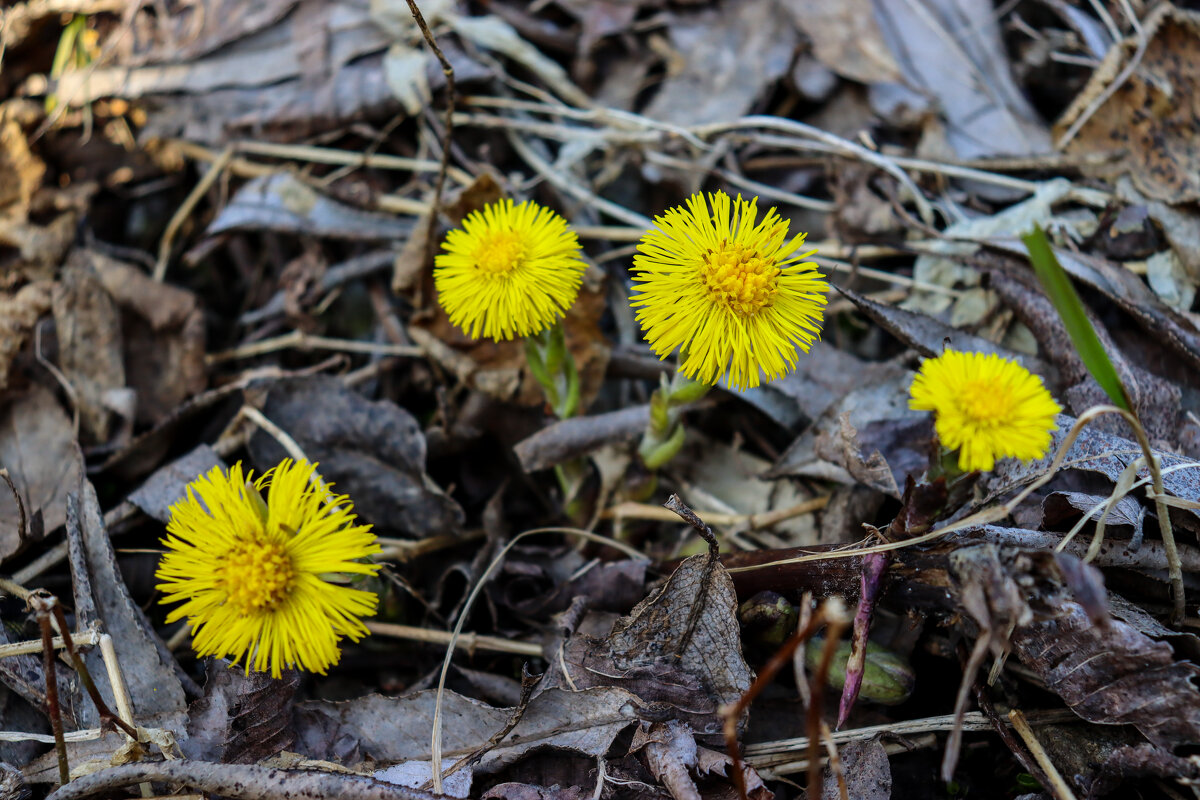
x=256, y=577
x=732, y=294
x=986, y=407
x=510, y=270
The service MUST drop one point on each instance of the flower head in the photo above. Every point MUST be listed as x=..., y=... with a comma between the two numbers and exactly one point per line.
x=510, y=270
x=732, y=294
x=986, y=407
x=256, y=577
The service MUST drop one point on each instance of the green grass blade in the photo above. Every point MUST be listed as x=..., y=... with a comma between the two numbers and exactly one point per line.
x=1070, y=308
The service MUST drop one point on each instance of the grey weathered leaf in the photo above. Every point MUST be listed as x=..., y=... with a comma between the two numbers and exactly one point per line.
x=102, y=598
x=283, y=204
x=372, y=451
x=393, y=729
x=168, y=484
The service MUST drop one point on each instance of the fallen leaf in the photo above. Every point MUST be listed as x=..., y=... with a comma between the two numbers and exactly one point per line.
x=284, y=204
x=679, y=648
x=372, y=451
x=242, y=718
x=867, y=772
x=37, y=447
x=162, y=327
x=395, y=729
x=19, y=312
x=730, y=55
x=1147, y=122
x=846, y=38
x=89, y=344
x=168, y=484
x=102, y=599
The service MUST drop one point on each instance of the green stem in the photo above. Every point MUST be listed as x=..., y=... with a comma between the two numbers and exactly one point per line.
x=553, y=366
x=665, y=433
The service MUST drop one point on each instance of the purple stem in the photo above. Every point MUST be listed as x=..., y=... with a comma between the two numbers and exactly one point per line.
x=874, y=565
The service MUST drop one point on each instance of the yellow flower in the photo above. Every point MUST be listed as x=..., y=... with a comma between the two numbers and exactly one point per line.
x=986, y=407
x=734, y=296
x=510, y=270
x=256, y=576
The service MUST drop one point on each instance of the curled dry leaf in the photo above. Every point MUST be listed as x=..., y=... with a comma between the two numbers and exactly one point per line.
x=393, y=729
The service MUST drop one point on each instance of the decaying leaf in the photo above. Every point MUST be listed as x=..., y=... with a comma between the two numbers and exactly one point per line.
x=680, y=648
x=102, y=598
x=162, y=328
x=373, y=451
x=1147, y=122
x=283, y=203
x=242, y=719
x=19, y=312
x=727, y=57
x=866, y=769
x=846, y=38
x=37, y=447
x=89, y=344
x=394, y=729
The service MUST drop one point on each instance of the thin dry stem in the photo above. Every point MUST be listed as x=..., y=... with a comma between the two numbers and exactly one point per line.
x=185, y=210
x=447, y=134
x=471, y=641
x=1057, y=785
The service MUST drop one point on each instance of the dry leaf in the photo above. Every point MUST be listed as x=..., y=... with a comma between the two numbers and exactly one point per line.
x=1149, y=121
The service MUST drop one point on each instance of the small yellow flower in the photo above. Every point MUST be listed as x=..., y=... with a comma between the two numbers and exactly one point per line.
x=510, y=270
x=735, y=297
x=256, y=576
x=986, y=407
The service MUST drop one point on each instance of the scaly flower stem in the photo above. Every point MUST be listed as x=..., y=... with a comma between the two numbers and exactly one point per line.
x=664, y=434
x=554, y=369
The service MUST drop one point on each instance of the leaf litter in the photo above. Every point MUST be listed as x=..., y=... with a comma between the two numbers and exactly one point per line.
x=214, y=235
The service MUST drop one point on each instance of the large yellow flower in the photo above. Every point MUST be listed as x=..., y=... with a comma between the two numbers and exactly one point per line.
x=986, y=407
x=257, y=577
x=734, y=296
x=510, y=270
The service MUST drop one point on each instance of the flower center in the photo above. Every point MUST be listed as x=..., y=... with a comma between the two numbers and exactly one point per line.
x=985, y=401
x=739, y=278
x=256, y=576
x=500, y=253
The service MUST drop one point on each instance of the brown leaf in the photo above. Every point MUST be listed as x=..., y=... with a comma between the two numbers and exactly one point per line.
x=679, y=649
x=19, y=312
x=21, y=171
x=868, y=773
x=89, y=344
x=242, y=719
x=670, y=751
x=37, y=446
x=163, y=330
x=1148, y=121
x=1114, y=675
